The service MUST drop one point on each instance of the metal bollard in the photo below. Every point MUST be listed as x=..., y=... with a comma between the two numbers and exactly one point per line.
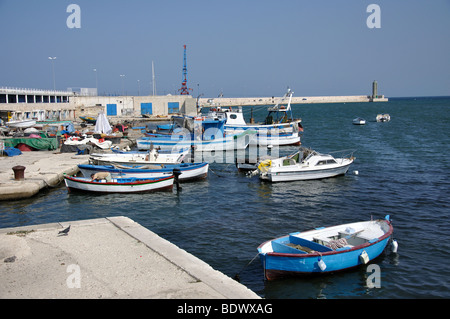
x=176, y=174
x=19, y=172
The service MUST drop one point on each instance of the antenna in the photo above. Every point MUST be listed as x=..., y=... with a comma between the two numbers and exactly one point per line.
x=184, y=89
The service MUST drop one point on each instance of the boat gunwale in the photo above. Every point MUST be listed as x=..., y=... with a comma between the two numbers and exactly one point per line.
x=142, y=181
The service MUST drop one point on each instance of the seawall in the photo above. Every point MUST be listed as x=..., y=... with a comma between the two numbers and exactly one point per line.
x=204, y=102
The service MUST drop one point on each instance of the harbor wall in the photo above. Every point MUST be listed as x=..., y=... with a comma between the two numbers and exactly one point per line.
x=204, y=102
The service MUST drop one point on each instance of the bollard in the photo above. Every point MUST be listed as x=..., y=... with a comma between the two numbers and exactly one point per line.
x=19, y=172
x=176, y=174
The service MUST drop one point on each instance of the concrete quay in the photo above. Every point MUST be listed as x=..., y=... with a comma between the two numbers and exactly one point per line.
x=105, y=258
x=42, y=169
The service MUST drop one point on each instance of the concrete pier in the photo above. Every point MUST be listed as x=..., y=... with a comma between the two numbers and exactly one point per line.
x=112, y=257
x=250, y=101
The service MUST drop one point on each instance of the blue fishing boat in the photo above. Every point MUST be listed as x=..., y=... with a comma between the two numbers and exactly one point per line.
x=325, y=250
x=189, y=171
x=200, y=133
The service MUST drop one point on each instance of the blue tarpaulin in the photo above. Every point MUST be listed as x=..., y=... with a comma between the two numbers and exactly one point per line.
x=12, y=151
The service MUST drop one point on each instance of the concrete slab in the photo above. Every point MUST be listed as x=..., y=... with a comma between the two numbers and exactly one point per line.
x=105, y=258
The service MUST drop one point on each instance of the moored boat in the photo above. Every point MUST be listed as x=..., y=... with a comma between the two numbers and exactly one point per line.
x=21, y=123
x=279, y=127
x=325, y=250
x=189, y=171
x=304, y=164
x=383, y=118
x=359, y=121
x=119, y=185
x=137, y=158
x=201, y=134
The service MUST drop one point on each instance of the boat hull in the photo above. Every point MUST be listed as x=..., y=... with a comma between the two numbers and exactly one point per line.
x=288, y=174
x=136, y=158
x=188, y=171
x=84, y=184
x=21, y=123
x=270, y=135
x=277, y=265
x=219, y=144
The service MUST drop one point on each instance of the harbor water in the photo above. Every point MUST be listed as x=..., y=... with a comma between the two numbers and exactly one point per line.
x=401, y=169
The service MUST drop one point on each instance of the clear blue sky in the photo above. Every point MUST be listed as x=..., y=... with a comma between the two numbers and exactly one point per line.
x=240, y=47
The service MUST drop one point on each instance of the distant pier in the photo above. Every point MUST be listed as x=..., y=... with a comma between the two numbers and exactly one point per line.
x=204, y=102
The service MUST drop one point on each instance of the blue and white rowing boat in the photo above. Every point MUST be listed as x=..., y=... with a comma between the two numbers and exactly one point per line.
x=189, y=171
x=325, y=250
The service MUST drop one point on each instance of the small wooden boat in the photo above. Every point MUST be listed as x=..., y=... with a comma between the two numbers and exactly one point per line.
x=189, y=171
x=21, y=123
x=119, y=185
x=325, y=250
x=89, y=119
x=137, y=158
x=305, y=164
x=165, y=127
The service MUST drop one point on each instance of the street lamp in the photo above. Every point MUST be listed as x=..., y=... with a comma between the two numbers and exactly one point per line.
x=123, y=77
x=96, y=80
x=53, y=71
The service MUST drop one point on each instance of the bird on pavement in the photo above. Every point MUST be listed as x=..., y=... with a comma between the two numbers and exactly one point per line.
x=64, y=232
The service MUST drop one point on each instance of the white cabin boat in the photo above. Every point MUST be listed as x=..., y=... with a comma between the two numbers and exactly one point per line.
x=305, y=164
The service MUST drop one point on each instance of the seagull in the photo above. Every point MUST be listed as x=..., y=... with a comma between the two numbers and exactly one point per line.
x=64, y=232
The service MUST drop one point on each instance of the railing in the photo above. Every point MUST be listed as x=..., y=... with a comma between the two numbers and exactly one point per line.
x=15, y=90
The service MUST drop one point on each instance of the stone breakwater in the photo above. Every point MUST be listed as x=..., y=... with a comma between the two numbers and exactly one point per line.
x=295, y=100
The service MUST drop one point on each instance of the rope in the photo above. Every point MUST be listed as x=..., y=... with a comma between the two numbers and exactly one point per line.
x=237, y=277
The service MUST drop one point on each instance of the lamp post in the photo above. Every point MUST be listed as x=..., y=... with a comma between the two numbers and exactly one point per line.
x=123, y=77
x=96, y=80
x=53, y=71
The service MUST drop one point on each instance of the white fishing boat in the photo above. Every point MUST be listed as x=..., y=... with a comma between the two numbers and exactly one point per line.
x=119, y=185
x=21, y=123
x=279, y=127
x=305, y=164
x=137, y=158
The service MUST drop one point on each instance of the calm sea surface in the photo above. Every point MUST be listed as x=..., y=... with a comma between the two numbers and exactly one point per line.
x=404, y=171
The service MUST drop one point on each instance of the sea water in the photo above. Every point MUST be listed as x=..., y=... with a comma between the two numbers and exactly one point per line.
x=403, y=171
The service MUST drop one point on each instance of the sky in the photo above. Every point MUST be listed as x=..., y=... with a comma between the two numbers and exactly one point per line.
x=241, y=48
